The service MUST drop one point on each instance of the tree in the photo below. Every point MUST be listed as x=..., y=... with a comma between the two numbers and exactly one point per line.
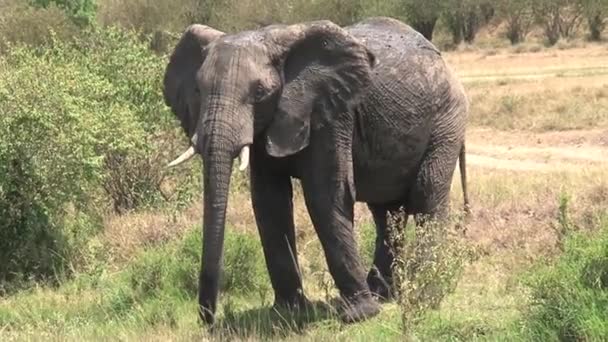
x=464, y=18
x=518, y=18
x=423, y=15
x=595, y=12
x=559, y=18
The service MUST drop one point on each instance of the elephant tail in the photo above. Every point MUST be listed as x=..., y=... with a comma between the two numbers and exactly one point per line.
x=462, y=164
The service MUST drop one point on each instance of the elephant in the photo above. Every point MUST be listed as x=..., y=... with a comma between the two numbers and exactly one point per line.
x=368, y=113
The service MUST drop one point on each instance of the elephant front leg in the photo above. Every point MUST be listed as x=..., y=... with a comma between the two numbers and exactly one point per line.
x=272, y=203
x=329, y=195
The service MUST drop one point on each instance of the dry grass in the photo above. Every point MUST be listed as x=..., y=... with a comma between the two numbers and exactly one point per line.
x=544, y=91
x=474, y=63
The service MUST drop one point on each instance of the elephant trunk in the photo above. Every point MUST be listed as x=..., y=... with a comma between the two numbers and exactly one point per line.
x=218, y=169
x=223, y=136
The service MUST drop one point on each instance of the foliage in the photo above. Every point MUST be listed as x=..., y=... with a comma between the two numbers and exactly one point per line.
x=517, y=15
x=570, y=295
x=428, y=263
x=65, y=113
x=173, y=270
x=464, y=18
x=53, y=130
x=596, y=14
x=82, y=12
x=149, y=16
x=558, y=18
x=155, y=287
x=423, y=17
x=20, y=23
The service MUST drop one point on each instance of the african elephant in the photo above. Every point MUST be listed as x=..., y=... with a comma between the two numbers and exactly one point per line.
x=367, y=113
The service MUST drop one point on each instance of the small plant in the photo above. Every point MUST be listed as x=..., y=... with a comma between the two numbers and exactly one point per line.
x=244, y=268
x=565, y=225
x=429, y=259
x=509, y=103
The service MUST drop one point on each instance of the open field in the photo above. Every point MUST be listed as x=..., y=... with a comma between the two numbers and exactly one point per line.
x=538, y=133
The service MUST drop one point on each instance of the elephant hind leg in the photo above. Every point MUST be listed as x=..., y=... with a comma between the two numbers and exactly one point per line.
x=430, y=194
x=388, y=220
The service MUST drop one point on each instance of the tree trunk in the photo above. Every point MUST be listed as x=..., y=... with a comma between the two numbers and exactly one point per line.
x=596, y=26
x=426, y=28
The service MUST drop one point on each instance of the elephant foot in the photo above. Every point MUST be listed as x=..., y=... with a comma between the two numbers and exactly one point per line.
x=206, y=315
x=380, y=286
x=358, y=308
x=298, y=302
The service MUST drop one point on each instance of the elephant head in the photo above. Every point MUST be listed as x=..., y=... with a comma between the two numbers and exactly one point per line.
x=273, y=85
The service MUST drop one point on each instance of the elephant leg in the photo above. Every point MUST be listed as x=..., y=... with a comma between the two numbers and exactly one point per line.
x=273, y=208
x=430, y=198
x=329, y=194
x=334, y=226
x=380, y=277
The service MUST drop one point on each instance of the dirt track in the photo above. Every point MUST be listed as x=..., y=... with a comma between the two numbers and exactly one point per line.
x=541, y=152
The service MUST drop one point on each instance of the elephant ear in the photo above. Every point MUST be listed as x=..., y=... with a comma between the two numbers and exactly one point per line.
x=179, y=84
x=325, y=73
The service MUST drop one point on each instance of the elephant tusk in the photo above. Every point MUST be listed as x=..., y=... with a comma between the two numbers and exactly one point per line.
x=244, y=158
x=184, y=157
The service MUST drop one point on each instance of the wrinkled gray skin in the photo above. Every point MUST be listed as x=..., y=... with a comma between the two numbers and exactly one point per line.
x=364, y=113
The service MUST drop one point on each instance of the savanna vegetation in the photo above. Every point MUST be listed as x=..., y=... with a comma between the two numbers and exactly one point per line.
x=98, y=239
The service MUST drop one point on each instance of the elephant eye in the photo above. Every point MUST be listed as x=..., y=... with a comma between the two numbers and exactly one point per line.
x=260, y=92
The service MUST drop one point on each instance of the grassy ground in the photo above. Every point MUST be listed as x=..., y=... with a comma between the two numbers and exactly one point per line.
x=538, y=137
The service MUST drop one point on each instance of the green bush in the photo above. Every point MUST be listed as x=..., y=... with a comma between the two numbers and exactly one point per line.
x=82, y=12
x=429, y=260
x=570, y=296
x=173, y=270
x=56, y=121
x=66, y=111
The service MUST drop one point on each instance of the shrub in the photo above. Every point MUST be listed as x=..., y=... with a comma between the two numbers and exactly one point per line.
x=82, y=12
x=244, y=267
x=64, y=112
x=596, y=13
x=570, y=295
x=172, y=270
x=517, y=15
x=56, y=121
x=464, y=18
x=427, y=266
x=423, y=17
x=558, y=18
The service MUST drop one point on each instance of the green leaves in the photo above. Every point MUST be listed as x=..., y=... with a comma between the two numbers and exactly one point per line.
x=64, y=111
x=82, y=12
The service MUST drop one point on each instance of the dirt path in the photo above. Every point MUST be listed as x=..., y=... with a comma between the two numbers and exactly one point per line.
x=539, y=152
